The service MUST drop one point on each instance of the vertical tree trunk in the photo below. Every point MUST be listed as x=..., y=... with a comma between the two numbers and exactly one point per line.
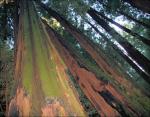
x=42, y=83
x=141, y=60
x=16, y=22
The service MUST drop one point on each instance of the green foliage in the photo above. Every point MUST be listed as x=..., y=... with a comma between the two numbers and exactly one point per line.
x=114, y=4
x=6, y=75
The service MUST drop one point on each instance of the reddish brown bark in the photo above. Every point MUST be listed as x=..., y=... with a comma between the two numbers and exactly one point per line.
x=139, y=71
x=87, y=45
x=40, y=73
x=91, y=86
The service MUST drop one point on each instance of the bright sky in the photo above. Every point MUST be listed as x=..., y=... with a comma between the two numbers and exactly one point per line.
x=45, y=1
x=121, y=21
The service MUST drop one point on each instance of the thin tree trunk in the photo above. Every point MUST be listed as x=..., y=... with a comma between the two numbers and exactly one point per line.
x=143, y=5
x=16, y=22
x=126, y=15
x=141, y=60
x=42, y=83
x=143, y=39
x=133, y=19
x=87, y=80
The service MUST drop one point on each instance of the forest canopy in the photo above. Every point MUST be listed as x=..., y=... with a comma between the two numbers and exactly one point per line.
x=80, y=57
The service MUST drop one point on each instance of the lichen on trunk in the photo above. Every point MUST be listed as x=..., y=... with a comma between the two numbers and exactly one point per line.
x=42, y=87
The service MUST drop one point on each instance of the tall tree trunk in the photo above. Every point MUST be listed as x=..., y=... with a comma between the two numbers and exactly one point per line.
x=42, y=83
x=91, y=86
x=134, y=19
x=126, y=15
x=143, y=5
x=16, y=22
x=134, y=55
x=143, y=39
x=134, y=65
x=87, y=45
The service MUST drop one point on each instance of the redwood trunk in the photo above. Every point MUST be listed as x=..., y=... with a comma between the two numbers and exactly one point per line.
x=87, y=45
x=42, y=86
x=91, y=86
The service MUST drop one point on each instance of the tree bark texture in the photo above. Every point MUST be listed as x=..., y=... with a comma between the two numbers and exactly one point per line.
x=42, y=84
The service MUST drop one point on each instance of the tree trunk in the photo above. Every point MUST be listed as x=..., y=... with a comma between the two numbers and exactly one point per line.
x=134, y=55
x=87, y=45
x=143, y=5
x=91, y=86
x=137, y=36
x=126, y=15
x=130, y=61
x=42, y=83
x=133, y=19
x=16, y=22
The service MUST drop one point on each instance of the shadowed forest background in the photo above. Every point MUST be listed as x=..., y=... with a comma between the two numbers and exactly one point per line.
x=75, y=58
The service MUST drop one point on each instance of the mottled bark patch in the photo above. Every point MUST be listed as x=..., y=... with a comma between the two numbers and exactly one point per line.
x=53, y=108
x=20, y=105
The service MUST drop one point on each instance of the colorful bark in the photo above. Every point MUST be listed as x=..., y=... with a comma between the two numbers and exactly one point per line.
x=42, y=87
x=91, y=86
x=87, y=45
